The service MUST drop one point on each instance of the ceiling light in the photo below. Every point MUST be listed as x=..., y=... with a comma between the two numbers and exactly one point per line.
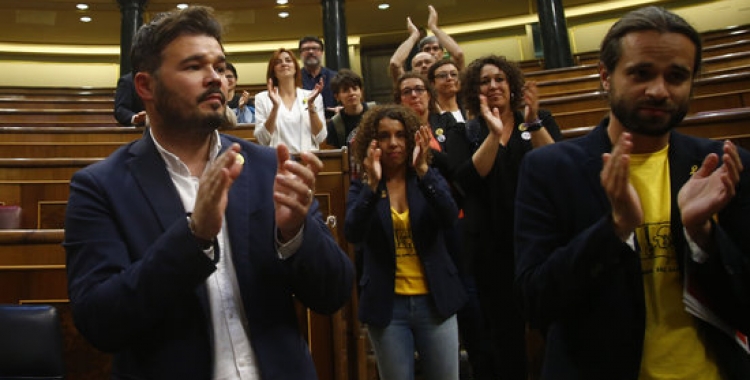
x=282, y=2
x=283, y=14
x=85, y=19
x=182, y=6
x=82, y=6
x=384, y=6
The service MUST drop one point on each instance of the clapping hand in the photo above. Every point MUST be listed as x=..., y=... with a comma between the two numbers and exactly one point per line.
x=373, y=169
x=421, y=147
x=293, y=190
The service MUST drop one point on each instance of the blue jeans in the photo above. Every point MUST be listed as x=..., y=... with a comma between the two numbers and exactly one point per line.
x=416, y=325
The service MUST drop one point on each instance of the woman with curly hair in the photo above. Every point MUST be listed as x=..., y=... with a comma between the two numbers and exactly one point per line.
x=286, y=113
x=398, y=213
x=485, y=156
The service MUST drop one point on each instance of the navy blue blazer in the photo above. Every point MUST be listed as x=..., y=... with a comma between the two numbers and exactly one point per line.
x=127, y=101
x=432, y=212
x=582, y=284
x=136, y=275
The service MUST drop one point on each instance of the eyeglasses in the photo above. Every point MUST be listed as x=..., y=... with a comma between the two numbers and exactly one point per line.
x=445, y=75
x=310, y=49
x=417, y=90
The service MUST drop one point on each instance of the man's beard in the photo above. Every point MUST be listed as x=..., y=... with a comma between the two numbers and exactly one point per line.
x=189, y=120
x=627, y=114
x=312, y=61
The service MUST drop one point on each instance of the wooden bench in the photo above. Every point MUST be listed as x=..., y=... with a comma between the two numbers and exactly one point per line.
x=718, y=125
x=83, y=134
x=37, y=103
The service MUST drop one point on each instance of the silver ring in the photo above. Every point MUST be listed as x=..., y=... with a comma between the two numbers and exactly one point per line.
x=309, y=195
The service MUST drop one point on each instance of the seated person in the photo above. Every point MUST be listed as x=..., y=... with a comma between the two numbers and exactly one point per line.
x=129, y=109
x=238, y=103
x=347, y=89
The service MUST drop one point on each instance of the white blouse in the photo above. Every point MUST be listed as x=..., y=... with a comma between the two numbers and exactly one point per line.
x=293, y=127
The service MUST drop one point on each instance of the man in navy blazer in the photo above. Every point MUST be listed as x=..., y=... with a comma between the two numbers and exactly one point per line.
x=610, y=226
x=186, y=249
x=129, y=109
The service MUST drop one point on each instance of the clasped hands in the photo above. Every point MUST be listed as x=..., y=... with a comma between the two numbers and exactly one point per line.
x=293, y=189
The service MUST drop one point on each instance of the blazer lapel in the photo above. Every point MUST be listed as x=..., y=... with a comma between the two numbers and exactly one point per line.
x=150, y=172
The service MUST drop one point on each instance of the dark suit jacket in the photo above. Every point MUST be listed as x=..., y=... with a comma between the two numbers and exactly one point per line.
x=432, y=212
x=127, y=101
x=136, y=275
x=582, y=284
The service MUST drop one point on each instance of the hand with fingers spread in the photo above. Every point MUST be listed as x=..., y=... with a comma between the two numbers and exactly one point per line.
x=315, y=92
x=627, y=213
x=273, y=93
x=708, y=191
x=293, y=190
x=372, y=168
x=421, y=147
x=492, y=117
x=531, y=101
x=213, y=191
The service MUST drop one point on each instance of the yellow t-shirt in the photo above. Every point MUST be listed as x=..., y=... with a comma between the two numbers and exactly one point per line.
x=671, y=348
x=410, y=278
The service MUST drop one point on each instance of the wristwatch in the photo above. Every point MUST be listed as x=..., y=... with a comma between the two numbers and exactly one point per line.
x=531, y=127
x=206, y=245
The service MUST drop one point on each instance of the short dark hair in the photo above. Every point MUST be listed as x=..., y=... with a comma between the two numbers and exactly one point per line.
x=437, y=65
x=646, y=19
x=368, y=129
x=152, y=38
x=345, y=79
x=432, y=106
x=231, y=68
x=306, y=39
x=470, y=81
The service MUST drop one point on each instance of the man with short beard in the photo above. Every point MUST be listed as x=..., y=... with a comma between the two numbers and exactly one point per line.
x=613, y=229
x=182, y=261
x=311, y=54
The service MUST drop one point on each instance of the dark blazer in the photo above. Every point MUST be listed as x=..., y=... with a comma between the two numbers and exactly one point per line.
x=581, y=283
x=432, y=212
x=136, y=275
x=127, y=101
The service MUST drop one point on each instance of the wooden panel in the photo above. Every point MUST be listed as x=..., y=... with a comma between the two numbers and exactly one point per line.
x=83, y=134
x=37, y=103
x=14, y=149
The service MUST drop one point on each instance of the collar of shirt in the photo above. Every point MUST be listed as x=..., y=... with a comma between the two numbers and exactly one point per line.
x=175, y=165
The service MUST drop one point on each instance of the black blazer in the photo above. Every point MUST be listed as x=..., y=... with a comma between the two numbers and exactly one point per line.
x=136, y=276
x=127, y=101
x=581, y=283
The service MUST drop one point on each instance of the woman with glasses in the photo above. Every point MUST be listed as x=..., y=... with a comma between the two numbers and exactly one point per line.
x=485, y=154
x=286, y=113
x=399, y=211
x=443, y=76
x=413, y=91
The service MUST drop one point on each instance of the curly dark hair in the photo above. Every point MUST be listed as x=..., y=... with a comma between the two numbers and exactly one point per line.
x=152, y=38
x=471, y=78
x=368, y=129
x=432, y=105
